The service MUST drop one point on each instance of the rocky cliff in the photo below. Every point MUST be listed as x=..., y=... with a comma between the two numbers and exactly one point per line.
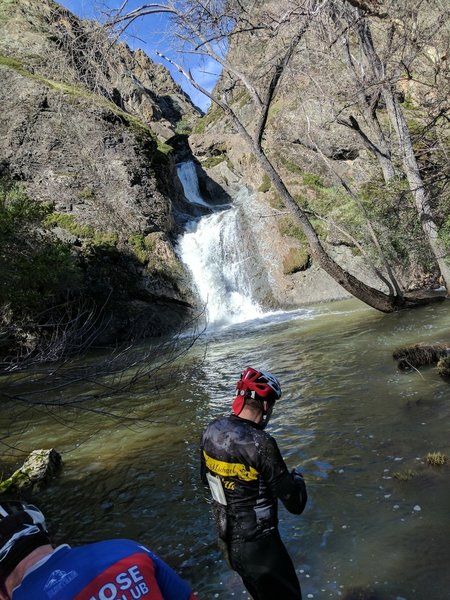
x=90, y=129
x=322, y=160
x=83, y=127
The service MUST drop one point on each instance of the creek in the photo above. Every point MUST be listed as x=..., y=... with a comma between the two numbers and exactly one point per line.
x=357, y=427
x=353, y=423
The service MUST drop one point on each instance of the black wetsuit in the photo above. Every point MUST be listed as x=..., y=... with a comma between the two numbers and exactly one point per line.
x=252, y=475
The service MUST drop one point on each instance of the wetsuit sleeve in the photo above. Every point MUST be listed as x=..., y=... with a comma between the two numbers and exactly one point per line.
x=171, y=585
x=290, y=488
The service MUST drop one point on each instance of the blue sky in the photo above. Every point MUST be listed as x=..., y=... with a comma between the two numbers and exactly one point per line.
x=151, y=34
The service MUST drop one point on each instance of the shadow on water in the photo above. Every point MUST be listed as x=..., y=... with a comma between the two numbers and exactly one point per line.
x=376, y=524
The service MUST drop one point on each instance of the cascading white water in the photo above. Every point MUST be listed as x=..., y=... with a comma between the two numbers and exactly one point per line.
x=213, y=250
x=189, y=180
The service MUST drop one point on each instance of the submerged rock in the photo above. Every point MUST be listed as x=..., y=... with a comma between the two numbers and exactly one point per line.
x=443, y=366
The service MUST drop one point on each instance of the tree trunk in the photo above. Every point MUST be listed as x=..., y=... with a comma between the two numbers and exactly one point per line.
x=375, y=298
x=415, y=181
x=410, y=166
x=378, y=145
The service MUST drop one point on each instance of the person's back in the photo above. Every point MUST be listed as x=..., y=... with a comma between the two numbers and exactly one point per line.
x=109, y=570
x=246, y=475
x=251, y=462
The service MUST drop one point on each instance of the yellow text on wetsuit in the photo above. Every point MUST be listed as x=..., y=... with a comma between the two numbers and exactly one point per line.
x=225, y=469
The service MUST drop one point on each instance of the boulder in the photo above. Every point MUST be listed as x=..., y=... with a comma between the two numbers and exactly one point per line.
x=38, y=469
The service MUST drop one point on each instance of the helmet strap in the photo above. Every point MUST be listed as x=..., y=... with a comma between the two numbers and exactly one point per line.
x=238, y=405
x=239, y=401
x=267, y=408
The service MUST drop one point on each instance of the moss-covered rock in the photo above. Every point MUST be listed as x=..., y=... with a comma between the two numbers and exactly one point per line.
x=297, y=259
x=443, y=366
x=37, y=470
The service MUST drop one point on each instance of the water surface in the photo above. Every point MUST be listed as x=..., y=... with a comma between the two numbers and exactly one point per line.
x=348, y=418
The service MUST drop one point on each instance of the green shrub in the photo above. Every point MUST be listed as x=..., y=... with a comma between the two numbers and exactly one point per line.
x=241, y=99
x=87, y=195
x=408, y=103
x=287, y=226
x=68, y=222
x=301, y=201
x=108, y=238
x=244, y=99
x=290, y=166
x=313, y=180
x=211, y=117
x=163, y=147
x=265, y=185
x=17, y=210
x=213, y=161
x=34, y=266
x=183, y=127
x=84, y=231
x=391, y=210
x=138, y=246
x=276, y=202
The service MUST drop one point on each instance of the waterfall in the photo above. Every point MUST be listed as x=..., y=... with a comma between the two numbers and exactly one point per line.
x=189, y=180
x=214, y=249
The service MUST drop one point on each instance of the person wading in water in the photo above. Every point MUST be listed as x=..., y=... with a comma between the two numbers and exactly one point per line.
x=246, y=474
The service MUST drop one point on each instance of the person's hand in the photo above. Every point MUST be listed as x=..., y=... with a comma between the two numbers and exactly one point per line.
x=296, y=474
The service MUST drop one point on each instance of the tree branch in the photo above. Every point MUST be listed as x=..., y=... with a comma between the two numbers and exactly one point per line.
x=353, y=124
x=279, y=69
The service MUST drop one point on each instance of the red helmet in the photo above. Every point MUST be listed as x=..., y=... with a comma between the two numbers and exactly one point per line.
x=255, y=384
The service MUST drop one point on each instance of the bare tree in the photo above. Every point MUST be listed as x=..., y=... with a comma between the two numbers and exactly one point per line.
x=201, y=27
x=377, y=74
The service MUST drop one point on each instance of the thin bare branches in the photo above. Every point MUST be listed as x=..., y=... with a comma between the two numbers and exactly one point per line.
x=279, y=34
x=107, y=384
x=65, y=330
x=278, y=71
x=142, y=11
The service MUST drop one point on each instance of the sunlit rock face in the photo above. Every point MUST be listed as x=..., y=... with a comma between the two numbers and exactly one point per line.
x=311, y=140
x=83, y=126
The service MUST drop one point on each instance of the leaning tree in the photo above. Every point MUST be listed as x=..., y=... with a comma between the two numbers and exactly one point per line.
x=210, y=29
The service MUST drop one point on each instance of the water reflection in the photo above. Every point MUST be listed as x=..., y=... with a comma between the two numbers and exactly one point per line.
x=348, y=418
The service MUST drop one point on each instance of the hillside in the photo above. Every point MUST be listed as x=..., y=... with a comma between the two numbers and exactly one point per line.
x=83, y=132
x=329, y=134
